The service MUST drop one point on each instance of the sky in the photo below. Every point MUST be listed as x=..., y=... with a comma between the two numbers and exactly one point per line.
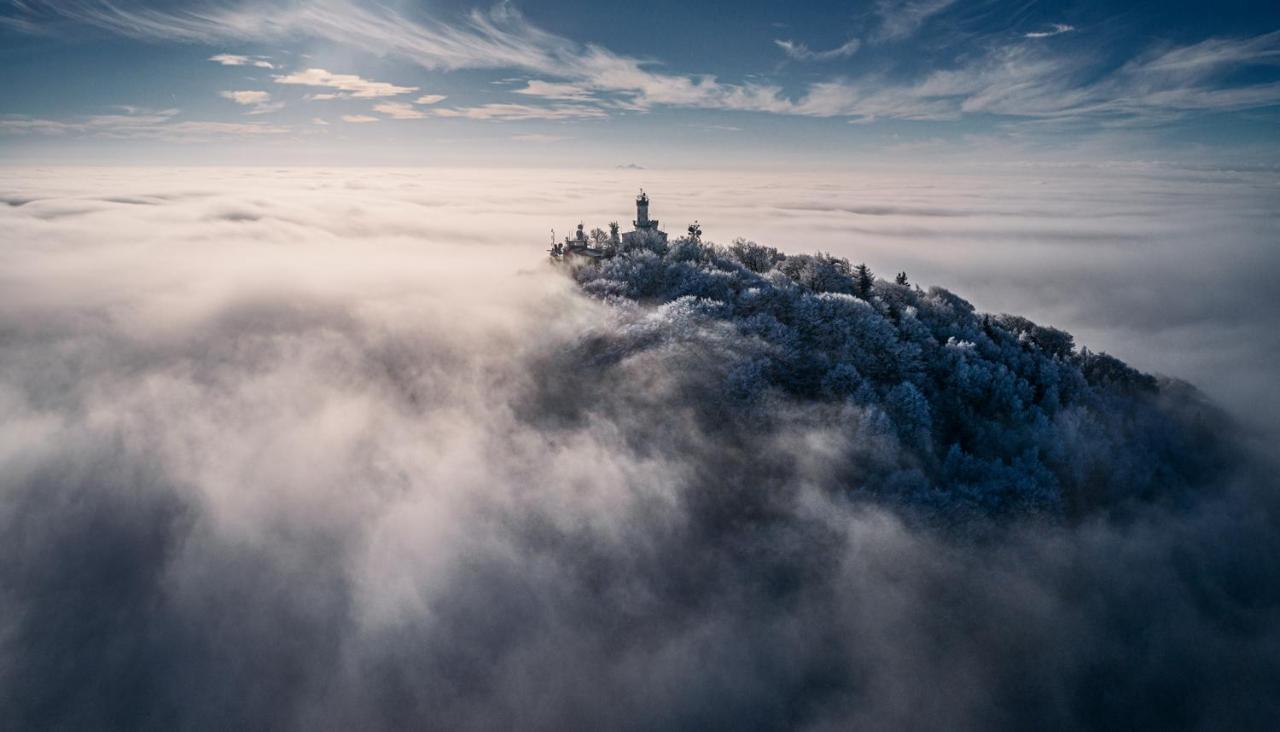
x=655, y=84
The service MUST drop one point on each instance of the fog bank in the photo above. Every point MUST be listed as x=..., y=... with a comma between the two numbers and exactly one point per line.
x=326, y=449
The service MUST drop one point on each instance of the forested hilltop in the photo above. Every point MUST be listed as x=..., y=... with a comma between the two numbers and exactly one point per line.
x=917, y=397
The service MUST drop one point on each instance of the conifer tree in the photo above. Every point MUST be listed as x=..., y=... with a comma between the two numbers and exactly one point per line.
x=862, y=280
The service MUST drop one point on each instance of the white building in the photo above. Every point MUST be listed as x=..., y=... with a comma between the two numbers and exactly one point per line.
x=646, y=232
x=578, y=246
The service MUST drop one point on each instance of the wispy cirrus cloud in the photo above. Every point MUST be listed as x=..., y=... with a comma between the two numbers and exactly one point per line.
x=1056, y=29
x=358, y=118
x=552, y=90
x=800, y=52
x=351, y=84
x=229, y=59
x=137, y=123
x=1211, y=55
x=497, y=38
x=517, y=112
x=900, y=19
x=430, y=99
x=1027, y=80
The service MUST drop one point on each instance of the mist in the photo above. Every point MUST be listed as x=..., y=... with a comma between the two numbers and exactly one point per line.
x=339, y=448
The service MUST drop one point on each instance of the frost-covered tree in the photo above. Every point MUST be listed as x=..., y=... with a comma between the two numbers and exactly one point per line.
x=757, y=258
x=941, y=406
x=819, y=272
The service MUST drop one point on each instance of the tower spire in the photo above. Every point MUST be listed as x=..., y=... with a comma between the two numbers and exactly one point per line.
x=646, y=232
x=642, y=211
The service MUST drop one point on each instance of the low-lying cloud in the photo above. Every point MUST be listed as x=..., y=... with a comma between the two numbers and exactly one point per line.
x=334, y=449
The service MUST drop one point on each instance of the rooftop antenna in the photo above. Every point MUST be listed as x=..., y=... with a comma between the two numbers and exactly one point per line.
x=557, y=249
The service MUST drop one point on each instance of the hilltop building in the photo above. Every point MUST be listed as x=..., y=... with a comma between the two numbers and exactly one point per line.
x=578, y=246
x=646, y=234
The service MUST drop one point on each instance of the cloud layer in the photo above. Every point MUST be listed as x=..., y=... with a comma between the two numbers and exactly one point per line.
x=334, y=449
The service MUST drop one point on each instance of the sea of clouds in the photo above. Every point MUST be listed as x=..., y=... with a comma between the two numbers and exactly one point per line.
x=276, y=451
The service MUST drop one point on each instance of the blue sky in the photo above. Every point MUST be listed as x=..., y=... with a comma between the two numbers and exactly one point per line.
x=654, y=83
